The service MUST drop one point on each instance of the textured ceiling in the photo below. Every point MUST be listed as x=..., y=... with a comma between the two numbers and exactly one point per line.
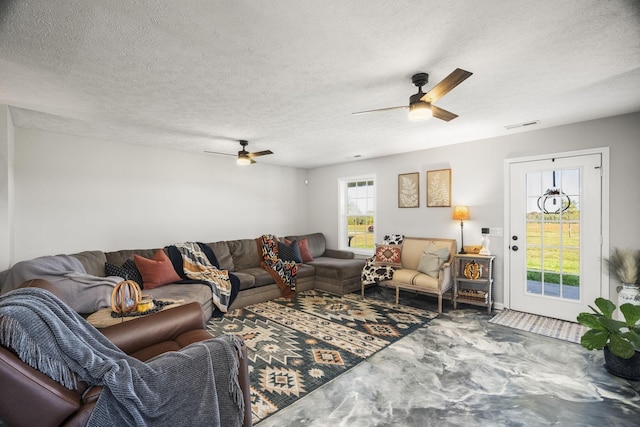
x=287, y=74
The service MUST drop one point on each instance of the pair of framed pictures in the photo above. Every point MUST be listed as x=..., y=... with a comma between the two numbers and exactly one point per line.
x=438, y=189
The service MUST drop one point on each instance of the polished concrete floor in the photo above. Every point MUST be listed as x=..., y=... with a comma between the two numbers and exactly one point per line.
x=460, y=370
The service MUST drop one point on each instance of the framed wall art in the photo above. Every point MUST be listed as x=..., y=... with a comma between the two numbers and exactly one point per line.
x=439, y=188
x=409, y=190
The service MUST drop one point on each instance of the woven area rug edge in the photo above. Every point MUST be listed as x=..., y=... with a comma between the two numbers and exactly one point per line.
x=539, y=325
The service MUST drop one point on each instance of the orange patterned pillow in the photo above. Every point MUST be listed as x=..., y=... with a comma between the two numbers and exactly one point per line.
x=390, y=255
x=157, y=271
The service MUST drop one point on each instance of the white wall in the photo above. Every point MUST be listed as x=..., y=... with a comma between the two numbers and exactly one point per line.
x=77, y=193
x=6, y=187
x=477, y=181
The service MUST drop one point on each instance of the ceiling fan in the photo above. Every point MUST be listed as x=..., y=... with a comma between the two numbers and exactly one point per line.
x=421, y=104
x=244, y=157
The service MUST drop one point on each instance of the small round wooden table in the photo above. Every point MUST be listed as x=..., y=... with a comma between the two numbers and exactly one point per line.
x=102, y=318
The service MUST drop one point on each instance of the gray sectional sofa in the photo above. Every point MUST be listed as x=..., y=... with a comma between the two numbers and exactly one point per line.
x=331, y=270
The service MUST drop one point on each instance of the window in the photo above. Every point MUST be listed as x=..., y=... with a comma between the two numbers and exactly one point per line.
x=357, y=214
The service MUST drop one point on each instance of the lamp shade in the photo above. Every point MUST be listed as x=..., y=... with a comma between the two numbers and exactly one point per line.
x=460, y=213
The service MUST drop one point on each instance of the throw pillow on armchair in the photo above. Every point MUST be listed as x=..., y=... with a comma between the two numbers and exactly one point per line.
x=372, y=273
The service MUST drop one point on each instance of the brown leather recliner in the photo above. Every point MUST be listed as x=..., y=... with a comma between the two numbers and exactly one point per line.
x=30, y=398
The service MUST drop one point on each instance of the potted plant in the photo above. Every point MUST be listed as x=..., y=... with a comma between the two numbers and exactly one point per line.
x=624, y=264
x=619, y=339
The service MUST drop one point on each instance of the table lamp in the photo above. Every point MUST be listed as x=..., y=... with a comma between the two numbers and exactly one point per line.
x=461, y=213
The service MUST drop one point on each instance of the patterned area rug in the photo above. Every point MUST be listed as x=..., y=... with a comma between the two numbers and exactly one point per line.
x=554, y=328
x=295, y=346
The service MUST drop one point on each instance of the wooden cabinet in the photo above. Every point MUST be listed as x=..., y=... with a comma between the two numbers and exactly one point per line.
x=473, y=280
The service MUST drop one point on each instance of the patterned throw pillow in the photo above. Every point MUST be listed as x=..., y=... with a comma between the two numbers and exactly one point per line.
x=135, y=275
x=393, y=239
x=372, y=273
x=128, y=271
x=289, y=251
x=388, y=255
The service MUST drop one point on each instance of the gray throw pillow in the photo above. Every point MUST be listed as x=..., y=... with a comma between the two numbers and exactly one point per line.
x=432, y=259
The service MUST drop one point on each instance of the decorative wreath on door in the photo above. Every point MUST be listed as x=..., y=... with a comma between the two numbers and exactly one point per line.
x=472, y=270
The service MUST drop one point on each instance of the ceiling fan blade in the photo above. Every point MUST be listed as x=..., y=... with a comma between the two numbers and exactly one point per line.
x=380, y=109
x=442, y=114
x=219, y=154
x=259, y=153
x=446, y=85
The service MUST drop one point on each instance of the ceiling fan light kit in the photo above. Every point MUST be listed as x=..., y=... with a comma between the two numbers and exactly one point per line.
x=243, y=160
x=420, y=111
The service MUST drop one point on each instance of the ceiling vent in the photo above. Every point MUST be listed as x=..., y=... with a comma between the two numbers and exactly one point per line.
x=521, y=125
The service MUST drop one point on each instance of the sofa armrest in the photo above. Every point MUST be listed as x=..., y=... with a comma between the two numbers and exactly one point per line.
x=336, y=253
x=243, y=379
x=31, y=398
x=445, y=277
x=166, y=325
x=43, y=284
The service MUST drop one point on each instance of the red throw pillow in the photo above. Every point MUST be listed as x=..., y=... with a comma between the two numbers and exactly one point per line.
x=388, y=255
x=157, y=271
x=303, y=244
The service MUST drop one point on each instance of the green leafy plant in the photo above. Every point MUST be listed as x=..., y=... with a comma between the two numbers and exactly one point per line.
x=622, y=337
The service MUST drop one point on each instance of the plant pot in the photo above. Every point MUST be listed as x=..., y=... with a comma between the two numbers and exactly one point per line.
x=628, y=294
x=624, y=368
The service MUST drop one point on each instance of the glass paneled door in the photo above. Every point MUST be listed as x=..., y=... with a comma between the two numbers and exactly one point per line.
x=555, y=235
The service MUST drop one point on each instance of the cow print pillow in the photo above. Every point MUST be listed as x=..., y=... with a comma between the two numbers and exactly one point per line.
x=372, y=273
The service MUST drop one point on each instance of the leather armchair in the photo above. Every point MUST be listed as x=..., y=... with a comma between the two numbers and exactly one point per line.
x=29, y=398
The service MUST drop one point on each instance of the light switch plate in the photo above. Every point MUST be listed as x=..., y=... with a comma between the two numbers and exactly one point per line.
x=495, y=231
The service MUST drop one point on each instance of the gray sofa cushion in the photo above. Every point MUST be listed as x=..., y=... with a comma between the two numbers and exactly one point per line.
x=186, y=292
x=119, y=257
x=244, y=253
x=306, y=270
x=338, y=268
x=93, y=262
x=260, y=275
x=247, y=281
x=221, y=250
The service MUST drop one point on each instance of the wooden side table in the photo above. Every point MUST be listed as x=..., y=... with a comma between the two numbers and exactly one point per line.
x=102, y=318
x=473, y=280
